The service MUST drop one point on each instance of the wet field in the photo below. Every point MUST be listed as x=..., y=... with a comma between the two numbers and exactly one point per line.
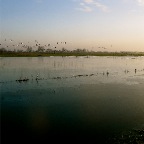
x=99, y=99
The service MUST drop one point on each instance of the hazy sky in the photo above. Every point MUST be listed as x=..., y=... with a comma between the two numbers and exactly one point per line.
x=117, y=25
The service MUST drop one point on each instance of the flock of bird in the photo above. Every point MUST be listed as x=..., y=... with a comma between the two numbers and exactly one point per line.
x=11, y=43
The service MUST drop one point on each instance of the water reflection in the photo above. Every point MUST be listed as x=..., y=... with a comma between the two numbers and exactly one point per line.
x=96, y=97
x=49, y=67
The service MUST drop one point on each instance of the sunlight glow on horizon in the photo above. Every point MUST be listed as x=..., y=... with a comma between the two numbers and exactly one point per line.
x=82, y=23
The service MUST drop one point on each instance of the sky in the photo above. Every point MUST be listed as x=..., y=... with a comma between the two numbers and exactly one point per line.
x=116, y=25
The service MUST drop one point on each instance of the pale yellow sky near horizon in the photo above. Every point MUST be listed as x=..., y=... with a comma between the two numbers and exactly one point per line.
x=117, y=25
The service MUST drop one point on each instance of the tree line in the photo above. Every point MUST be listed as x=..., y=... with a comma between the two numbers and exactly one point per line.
x=41, y=49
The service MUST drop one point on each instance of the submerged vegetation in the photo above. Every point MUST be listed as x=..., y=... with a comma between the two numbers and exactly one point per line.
x=64, y=52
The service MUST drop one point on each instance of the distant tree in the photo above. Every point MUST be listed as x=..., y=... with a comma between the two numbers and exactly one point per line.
x=78, y=50
x=2, y=50
x=19, y=50
x=41, y=49
x=49, y=50
x=84, y=50
x=14, y=50
x=29, y=49
x=64, y=50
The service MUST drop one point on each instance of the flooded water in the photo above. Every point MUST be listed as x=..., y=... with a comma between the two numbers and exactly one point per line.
x=55, y=98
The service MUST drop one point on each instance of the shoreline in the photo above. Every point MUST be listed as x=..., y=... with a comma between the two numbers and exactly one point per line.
x=44, y=54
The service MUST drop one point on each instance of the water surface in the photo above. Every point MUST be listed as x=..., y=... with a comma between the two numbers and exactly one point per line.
x=91, y=98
